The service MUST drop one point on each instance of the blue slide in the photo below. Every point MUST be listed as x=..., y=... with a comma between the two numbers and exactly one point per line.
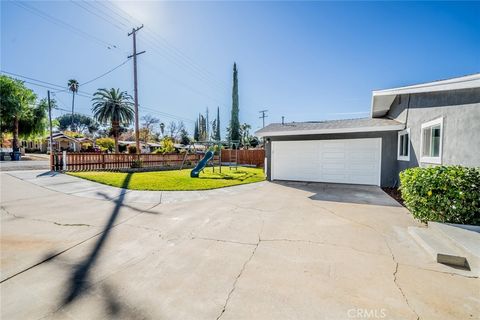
x=196, y=171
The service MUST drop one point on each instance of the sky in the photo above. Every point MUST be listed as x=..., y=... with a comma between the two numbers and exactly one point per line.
x=305, y=61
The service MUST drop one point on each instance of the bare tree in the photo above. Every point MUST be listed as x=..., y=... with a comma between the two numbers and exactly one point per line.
x=174, y=129
x=147, y=126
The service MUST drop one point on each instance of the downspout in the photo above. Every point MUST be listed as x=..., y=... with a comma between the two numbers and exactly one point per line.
x=396, y=182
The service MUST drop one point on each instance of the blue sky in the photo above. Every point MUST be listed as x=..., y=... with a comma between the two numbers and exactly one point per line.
x=302, y=60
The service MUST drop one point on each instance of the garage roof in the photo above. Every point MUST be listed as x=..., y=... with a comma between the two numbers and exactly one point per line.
x=331, y=126
x=382, y=99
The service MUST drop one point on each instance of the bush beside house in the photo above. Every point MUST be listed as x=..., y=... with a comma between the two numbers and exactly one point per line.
x=443, y=193
x=105, y=144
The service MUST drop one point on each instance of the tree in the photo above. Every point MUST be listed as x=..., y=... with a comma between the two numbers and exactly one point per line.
x=162, y=128
x=105, y=144
x=217, y=126
x=202, y=128
x=148, y=122
x=19, y=113
x=174, y=129
x=184, y=138
x=115, y=107
x=83, y=124
x=254, y=142
x=235, y=122
x=73, y=87
x=245, y=134
x=196, y=134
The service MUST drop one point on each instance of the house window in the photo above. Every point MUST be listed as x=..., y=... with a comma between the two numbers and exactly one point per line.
x=432, y=133
x=404, y=145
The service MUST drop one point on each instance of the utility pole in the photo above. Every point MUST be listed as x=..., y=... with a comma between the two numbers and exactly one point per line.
x=263, y=116
x=135, y=87
x=50, y=123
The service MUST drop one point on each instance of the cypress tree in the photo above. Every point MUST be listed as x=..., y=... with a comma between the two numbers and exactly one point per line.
x=196, y=133
x=217, y=123
x=234, y=122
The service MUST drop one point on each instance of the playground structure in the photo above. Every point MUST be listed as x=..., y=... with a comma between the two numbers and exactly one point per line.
x=211, y=147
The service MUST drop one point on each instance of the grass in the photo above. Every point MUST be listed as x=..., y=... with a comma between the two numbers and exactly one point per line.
x=175, y=180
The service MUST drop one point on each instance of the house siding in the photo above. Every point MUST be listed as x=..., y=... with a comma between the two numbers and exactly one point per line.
x=460, y=110
x=389, y=153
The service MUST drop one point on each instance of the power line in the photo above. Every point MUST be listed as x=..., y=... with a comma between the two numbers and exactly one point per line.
x=104, y=74
x=173, y=54
x=66, y=89
x=168, y=50
x=59, y=22
x=52, y=86
x=77, y=3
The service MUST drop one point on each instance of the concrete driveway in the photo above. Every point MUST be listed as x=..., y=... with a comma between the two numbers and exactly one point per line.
x=262, y=251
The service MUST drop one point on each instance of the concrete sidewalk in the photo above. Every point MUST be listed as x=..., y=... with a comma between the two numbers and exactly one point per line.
x=78, y=187
x=267, y=251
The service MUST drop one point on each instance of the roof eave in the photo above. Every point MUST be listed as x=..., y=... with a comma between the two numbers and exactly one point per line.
x=398, y=127
x=381, y=98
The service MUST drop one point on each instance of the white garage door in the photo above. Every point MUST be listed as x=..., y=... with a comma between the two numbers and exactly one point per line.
x=342, y=161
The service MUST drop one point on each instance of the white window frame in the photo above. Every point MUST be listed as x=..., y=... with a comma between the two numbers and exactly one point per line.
x=436, y=160
x=401, y=133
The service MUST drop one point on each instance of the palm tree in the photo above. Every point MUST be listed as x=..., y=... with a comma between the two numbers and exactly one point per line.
x=73, y=87
x=245, y=134
x=162, y=128
x=115, y=107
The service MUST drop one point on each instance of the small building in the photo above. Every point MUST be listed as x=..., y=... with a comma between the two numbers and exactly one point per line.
x=427, y=124
x=61, y=142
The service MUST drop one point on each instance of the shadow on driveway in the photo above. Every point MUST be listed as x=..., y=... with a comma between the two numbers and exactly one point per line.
x=79, y=282
x=347, y=193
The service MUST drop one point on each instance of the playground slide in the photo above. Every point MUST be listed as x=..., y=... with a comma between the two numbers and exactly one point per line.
x=196, y=171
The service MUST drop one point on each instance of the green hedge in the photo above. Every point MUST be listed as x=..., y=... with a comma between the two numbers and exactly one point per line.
x=443, y=193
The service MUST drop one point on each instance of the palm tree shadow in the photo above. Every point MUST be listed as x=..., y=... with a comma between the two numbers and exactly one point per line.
x=79, y=281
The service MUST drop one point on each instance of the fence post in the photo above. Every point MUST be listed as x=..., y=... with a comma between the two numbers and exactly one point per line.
x=103, y=160
x=64, y=158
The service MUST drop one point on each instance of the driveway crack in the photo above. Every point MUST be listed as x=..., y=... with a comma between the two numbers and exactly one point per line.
x=397, y=284
x=47, y=221
x=72, y=224
x=241, y=272
x=226, y=241
x=324, y=243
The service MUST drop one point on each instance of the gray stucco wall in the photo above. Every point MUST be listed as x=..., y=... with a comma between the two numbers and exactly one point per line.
x=389, y=153
x=460, y=110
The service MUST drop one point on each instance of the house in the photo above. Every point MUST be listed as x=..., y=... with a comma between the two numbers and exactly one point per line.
x=145, y=148
x=61, y=142
x=427, y=124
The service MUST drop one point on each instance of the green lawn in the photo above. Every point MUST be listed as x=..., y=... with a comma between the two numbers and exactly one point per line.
x=175, y=179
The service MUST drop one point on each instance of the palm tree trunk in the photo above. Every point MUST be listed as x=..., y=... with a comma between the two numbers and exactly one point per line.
x=73, y=109
x=115, y=125
x=15, y=134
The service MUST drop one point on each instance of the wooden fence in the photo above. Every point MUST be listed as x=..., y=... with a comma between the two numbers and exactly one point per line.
x=84, y=161
x=254, y=157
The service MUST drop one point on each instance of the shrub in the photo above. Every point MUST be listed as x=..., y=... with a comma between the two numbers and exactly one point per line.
x=105, y=144
x=167, y=146
x=132, y=149
x=136, y=164
x=444, y=193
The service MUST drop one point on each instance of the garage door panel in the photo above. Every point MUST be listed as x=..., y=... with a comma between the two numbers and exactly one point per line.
x=333, y=155
x=334, y=166
x=342, y=161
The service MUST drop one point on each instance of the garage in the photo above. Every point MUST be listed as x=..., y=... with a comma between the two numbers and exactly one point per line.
x=355, y=161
